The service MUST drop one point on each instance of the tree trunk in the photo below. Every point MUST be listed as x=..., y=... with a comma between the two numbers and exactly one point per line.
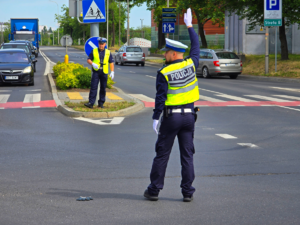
x=161, y=36
x=283, y=42
x=113, y=29
x=201, y=32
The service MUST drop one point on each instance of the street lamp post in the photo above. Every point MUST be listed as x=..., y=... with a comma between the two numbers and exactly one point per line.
x=128, y=23
x=57, y=21
x=142, y=27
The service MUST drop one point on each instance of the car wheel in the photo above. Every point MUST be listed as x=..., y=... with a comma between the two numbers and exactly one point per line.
x=116, y=63
x=234, y=76
x=34, y=68
x=36, y=55
x=205, y=72
x=143, y=64
x=122, y=64
x=32, y=82
x=137, y=64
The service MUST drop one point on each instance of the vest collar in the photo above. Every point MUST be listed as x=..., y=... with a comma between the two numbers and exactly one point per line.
x=175, y=61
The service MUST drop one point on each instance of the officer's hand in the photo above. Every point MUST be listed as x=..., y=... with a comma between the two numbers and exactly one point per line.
x=155, y=123
x=95, y=66
x=112, y=75
x=188, y=17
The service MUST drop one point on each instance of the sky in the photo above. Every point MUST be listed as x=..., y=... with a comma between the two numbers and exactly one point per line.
x=45, y=11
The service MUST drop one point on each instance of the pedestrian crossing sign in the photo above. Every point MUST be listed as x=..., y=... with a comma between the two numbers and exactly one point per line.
x=93, y=11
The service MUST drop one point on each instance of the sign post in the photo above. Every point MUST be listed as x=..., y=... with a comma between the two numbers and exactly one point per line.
x=272, y=17
x=168, y=20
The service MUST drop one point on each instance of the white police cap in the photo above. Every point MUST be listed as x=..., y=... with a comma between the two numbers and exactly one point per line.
x=102, y=40
x=174, y=45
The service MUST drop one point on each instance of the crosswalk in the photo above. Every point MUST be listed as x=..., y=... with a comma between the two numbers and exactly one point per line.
x=222, y=100
x=29, y=101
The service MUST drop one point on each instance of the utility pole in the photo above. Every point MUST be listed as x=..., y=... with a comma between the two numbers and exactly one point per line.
x=107, y=19
x=267, y=51
x=168, y=7
x=2, y=40
x=53, y=37
x=142, y=27
x=119, y=24
x=128, y=22
x=58, y=22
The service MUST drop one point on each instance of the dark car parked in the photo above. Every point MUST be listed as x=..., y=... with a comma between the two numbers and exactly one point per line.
x=29, y=43
x=16, y=67
x=21, y=46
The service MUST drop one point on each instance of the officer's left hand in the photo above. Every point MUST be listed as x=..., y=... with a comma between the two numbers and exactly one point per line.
x=112, y=75
x=155, y=123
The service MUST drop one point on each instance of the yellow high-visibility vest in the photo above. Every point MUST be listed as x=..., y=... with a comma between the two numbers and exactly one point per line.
x=182, y=83
x=105, y=60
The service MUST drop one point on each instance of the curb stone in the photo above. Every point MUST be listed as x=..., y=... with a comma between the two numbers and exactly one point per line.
x=72, y=113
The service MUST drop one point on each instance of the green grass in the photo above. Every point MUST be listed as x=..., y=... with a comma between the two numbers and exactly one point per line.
x=108, y=106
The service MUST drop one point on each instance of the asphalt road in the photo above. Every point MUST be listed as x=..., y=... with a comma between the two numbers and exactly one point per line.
x=48, y=160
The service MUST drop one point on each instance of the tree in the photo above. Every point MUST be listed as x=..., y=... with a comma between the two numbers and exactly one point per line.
x=253, y=11
x=204, y=10
x=44, y=30
x=50, y=30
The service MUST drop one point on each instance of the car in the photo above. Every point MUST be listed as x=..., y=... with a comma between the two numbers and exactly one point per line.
x=20, y=46
x=219, y=63
x=130, y=54
x=32, y=47
x=16, y=67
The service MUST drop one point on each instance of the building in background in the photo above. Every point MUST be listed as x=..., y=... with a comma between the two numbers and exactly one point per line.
x=240, y=39
x=213, y=33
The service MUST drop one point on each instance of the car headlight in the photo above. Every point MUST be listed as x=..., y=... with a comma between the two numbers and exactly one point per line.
x=27, y=69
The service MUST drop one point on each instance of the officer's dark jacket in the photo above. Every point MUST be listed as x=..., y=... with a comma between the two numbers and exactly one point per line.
x=162, y=84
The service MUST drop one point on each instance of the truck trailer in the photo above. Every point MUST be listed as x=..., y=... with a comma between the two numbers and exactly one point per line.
x=25, y=29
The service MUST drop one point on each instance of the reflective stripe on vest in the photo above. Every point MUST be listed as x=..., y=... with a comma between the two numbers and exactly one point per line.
x=105, y=60
x=182, y=83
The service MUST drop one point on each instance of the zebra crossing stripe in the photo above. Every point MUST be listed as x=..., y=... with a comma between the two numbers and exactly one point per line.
x=268, y=98
x=4, y=98
x=236, y=98
x=29, y=98
x=287, y=96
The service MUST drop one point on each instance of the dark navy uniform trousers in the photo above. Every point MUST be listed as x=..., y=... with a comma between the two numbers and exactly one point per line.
x=181, y=125
x=96, y=77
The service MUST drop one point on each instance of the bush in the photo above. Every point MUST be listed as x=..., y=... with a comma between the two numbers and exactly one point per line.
x=84, y=77
x=110, y=83
x=67, y=80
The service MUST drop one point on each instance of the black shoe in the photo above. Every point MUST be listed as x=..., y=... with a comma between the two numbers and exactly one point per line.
x=101, y=105
x=150, y=197
x=187, y=198
x=89, y=105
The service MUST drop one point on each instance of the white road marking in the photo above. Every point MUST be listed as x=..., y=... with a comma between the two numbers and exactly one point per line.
x=226, y=136
x=71, y=61
x=47, y=69
x=289, y=108
x=32, y=98
x=92, y=44
x=35, y=90
x=236, y=98
x=1, y=108
x=118, y=68
x=202, y=97
x=4, y=98
x=288, y=89
x=287, y=96
x=250, y=145
x=5, y=90
x=268, y=98
x=210, y=91
x=150, y=76
x=30, y=107
x=143, y=97
x=131, y=71
x=109, y=121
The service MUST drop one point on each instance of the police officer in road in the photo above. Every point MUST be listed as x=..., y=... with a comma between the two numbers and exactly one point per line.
x=177, y=90
x=99, y=59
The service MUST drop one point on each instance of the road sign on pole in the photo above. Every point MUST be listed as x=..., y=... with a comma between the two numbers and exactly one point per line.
x=90, y=44
x=93, y=11
x=273, y=13
x=168, y=28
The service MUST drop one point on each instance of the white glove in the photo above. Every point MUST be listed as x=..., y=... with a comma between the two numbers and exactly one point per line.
x=95, y=66
x=188, y=17
x=112, y=75
x=155, y=123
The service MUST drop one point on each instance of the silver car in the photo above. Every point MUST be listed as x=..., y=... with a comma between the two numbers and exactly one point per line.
x=219, y=63
x=130, y=54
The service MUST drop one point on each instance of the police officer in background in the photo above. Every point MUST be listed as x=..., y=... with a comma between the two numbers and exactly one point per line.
x=177, y=90
x=99, y=59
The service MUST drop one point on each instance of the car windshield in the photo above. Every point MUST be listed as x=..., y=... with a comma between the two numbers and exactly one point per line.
x=13, y=57
x=133, y=49
x=227, y=55
x=16, y=46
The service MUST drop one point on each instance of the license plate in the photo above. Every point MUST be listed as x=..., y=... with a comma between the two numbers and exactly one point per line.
x=11, y=77
x=230, y=64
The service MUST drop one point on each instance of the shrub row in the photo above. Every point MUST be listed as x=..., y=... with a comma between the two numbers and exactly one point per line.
x=74, y=75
